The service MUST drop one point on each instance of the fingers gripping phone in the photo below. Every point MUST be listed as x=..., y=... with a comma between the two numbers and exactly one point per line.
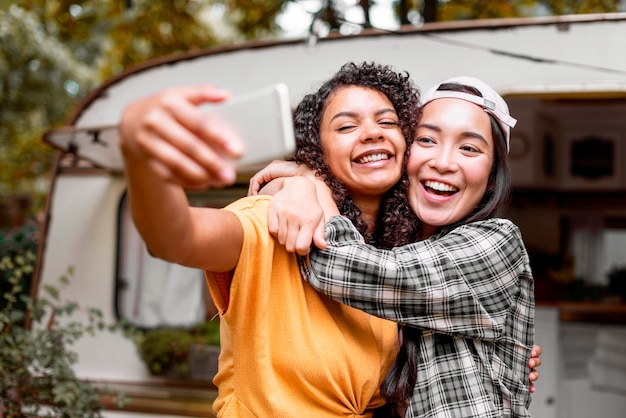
x=264, y=120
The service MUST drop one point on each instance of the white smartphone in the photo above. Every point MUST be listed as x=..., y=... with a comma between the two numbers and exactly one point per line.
x=264, y=119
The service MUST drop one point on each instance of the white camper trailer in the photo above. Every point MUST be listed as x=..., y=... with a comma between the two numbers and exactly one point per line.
x=564, y=78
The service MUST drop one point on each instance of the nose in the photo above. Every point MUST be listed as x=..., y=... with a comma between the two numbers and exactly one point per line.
x=443, y=159
x=372, y=132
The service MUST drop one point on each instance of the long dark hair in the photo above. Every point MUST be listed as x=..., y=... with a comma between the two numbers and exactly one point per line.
x=396, y=223
x=399, y=383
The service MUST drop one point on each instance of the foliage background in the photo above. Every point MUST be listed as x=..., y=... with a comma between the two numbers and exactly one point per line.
x=53, y=52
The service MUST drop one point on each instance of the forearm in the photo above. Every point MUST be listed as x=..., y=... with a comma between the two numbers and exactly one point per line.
x=326, y=200
x=159, y=209
x=272, y=187
x=447, y=285
x=204, y=238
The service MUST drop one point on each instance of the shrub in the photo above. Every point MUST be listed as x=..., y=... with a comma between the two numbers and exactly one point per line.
x=36, y=374
x=165, y=351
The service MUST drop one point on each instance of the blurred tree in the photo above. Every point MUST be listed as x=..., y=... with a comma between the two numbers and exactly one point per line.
x=42, y=78
x=557, y=7
x=488, y=9
x=149, y=29
x=414, y=11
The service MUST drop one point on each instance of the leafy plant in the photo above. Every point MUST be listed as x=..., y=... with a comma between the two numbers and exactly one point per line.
x=165, y=351
x=16, y=242
x=36, y=374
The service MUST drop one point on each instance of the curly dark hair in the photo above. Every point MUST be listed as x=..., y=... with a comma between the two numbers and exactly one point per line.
x=396, y=223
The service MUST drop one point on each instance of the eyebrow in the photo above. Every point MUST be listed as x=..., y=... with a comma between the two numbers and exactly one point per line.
x=468, y=134
x=353, y=114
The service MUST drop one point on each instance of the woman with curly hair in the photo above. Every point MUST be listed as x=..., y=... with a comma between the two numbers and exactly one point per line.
x=398, y=226
x=286, y=350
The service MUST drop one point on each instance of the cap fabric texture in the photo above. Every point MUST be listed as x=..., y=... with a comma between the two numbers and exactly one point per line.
x=490, y=101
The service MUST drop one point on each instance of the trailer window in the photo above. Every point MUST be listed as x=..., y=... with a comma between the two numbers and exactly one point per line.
x=152, y=292
x=597, y=245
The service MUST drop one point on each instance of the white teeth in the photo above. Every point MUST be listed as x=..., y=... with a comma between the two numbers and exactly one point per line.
x=440, y=187
x=374, y=157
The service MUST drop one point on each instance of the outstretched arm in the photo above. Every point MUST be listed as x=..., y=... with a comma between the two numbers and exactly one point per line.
x=170, y=145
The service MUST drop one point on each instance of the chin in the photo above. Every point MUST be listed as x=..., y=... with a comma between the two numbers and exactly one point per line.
x=432, y=221
x=383, y=185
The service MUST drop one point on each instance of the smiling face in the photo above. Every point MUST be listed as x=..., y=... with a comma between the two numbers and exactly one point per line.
x=450, y=162
x=362, y=141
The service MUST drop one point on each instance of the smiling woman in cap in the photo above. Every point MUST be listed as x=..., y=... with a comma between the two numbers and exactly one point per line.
x=463, y=295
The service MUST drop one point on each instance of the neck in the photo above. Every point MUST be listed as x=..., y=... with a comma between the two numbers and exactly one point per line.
x=369, y=211
x=426, y=231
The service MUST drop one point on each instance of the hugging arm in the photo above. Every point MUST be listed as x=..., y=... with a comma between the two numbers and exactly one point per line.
x=301, y=201
x=462, y=283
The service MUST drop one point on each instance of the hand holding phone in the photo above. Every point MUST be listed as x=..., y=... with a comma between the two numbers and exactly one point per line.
x=263, y=119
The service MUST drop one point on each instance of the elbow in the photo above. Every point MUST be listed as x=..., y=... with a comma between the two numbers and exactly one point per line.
x=158, y=252
x=164, y=252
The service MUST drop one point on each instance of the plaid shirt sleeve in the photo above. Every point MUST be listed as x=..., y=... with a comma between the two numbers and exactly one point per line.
x=463, y=282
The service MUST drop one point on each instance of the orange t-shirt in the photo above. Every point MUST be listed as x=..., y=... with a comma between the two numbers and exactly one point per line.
x=287, y=350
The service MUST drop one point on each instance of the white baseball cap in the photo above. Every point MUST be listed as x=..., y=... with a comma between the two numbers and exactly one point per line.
x=490, y=101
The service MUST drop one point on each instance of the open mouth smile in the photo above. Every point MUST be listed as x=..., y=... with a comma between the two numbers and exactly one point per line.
x=371, y=158
x=439, y=188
